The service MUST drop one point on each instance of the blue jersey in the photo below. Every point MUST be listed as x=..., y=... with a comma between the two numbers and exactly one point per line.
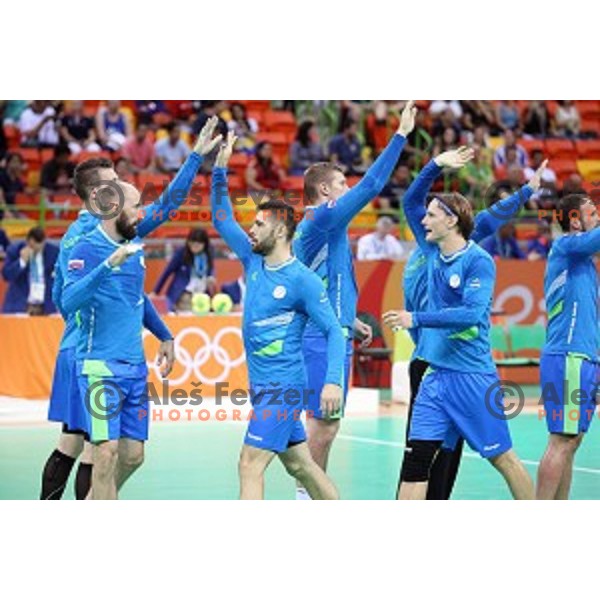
x=571, y=292
x=278, y=302
x=415, y=271
x=456, y=321
x=110, y=300
x=152, y=217
x=322, y=242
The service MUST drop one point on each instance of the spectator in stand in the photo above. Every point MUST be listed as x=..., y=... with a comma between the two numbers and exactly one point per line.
x=381, y=244
x=150, y=112
x=539, y=247
x=573, y=184
x=38, y=125
x=513, y=179
x=3, y=141
x=437, y=107
x=476, y=176
x=446, y=120
x=57, y=173
x=77, y=130
x=306, y=149
x=4, y=241
x=139, y=150
x=171, y=151
x=510, y=141
x=419, y=142
x=477, y=113
x=236, y=290
x=391, y=195
x=113, y=125
x=448, y=140
x=536, y=122
x=566, y=120
x=263, y=172
x=507, y=115
x=345, y=149
x=124, y=171
x=244, y=128
x=480, y=138
x=210, y=108
x=380, y=125
x=11, y=184
x=545, y=196
x=13, y=109
x=190, y=270
x=504, y=243
x=28, y=269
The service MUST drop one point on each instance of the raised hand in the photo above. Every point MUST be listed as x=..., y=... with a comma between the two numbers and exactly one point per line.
x=536, y=180
x=455, y=159
x=206, y=142
x=226, y=150
x=407, y=118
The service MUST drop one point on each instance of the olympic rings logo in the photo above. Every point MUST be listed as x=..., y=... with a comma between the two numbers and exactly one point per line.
x=192, y=362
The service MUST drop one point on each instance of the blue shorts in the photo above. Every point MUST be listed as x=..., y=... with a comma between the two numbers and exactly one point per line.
x=64, y=397
x=115, y=403
x=451, y=405
x=569, y=384
x=314, y=350
x=275, y=423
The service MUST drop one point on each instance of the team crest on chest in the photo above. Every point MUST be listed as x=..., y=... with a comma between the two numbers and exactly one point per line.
x=279, y=292
x=454, y=281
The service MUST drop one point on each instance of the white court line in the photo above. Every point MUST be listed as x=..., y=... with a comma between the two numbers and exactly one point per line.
x=375, y=442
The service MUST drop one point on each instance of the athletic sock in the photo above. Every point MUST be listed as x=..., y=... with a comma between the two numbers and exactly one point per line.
x=83, y=480
x=55, y=476
x=302, y=494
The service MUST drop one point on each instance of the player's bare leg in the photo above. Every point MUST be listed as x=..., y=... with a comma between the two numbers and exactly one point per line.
x=299, y=463
x=320, y=436
x=556, y=467
x=131, y=457
x=105, y=458
x=413, y=490
x=252, y=466
x=70, y=444
x=515, y=474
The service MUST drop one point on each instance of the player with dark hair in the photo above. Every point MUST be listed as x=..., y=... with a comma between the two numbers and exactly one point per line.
x=92, y=180
x=322, y=243
x=281, y=294
x=569, y=363
x=451, y=402
x=446, y=463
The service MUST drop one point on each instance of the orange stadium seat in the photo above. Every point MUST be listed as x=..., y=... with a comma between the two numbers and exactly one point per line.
x=280, y=121
x=530, y=145
x=151, y=185
x=564, y=167
x=85, y=155
x=13, y=137
x=256, y=105
x=31, y=200
x=552, y=106
x=588, y=109
x=239, y=162
x=588, y=149
x=593, y=189
x=31, y=157
x=561, y=149
x=590, y=126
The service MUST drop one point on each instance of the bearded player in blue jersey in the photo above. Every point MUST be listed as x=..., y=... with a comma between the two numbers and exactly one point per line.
x=281, y=295
x=446, y=463
x=322, y=243
x=128, y=451
x=451, y=402
x=569, y=363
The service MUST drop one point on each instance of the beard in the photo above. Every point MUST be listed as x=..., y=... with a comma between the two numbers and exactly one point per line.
x=265, y=247
x=124, y=228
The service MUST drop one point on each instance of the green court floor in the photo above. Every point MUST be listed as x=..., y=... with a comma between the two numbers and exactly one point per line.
x=198, y=461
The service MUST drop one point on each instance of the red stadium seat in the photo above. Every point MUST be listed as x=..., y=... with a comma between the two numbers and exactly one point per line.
x=588, y=109
x=31, y=200
x=85, y=155
x=563, y=168
x=530, y=145
x=588, y=149
x=239, y=162
x=280, y=121
x=256, y=105
x=31, y=157
x=151, y=185
x=590, y=126
x=13, y=137
x=593, y=189
x=561, y=149
x=552, y=106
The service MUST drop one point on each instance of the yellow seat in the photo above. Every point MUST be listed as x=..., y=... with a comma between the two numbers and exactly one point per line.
x=589, y=169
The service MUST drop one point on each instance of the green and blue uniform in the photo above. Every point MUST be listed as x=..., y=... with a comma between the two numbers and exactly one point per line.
x=323, y=245
x=66, y=405
x=569, y=362
x=279, y=300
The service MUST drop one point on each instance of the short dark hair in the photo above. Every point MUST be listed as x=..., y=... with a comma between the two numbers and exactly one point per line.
x=37, y=234
x=568, y=208
x=462, y=210
x=85, y=177
x=283, y=213
x=315, y=175
x=171, y=126
x=62, y=149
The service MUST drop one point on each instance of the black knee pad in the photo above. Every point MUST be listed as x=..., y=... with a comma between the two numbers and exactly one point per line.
x=418, y=458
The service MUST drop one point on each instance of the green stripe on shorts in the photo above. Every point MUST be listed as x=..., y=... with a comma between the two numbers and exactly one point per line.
x=572, y=385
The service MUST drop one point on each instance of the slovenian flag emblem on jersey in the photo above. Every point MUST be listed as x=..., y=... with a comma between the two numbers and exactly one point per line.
x=76, y=264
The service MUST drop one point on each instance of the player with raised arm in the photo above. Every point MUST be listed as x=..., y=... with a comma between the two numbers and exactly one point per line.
x=461, y=382
x=446, y=463
x=281, y=294
x=569, y=363
x=322, y=243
